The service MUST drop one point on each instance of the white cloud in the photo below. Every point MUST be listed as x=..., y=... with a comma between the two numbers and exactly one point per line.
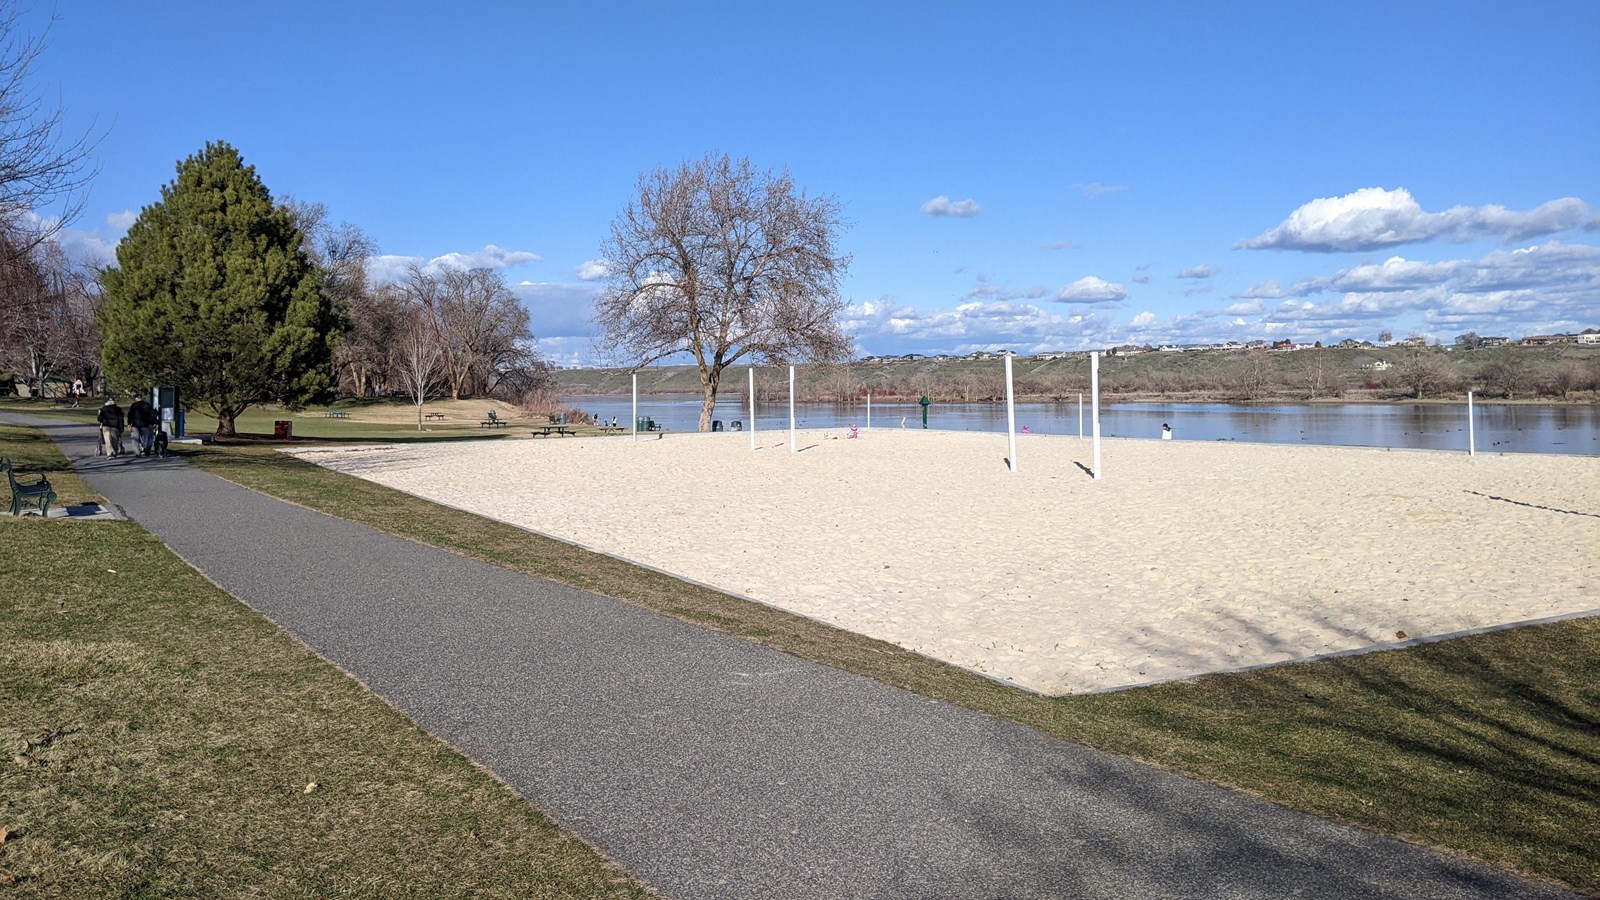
x=88, y=247
x=591, y=270
x=556, y=309
x=1060, y=245
x=122, y=221
x=887, y=326
x=944, y=206
x=85, y=246
x=392, y=268
x=1090, y=289
x=1248, y=308
x=1140, y=279
x=988, y=290
x=490, y=257
x=1143, y=320
x=1268, y=290
x=1200, y=271
x=1095, y=189
x=1374, y=218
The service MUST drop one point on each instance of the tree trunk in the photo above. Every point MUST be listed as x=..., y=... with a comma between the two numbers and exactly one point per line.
x=708, y=405
x=225, y=426
x=419, y=416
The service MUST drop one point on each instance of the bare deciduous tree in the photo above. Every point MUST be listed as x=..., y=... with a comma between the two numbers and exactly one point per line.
x=365, y=353
x=482, y=328
x=1511, y=373
x=47, y=324
x=1424, y=371
x=39, y=166
x=1317, y=375
x=1564, y=377
x=1251, y=374
x=371, y=315
x=719, y=262
x=416, y=356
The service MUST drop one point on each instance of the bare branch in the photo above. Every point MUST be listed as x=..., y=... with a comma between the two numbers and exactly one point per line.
x=719, y=262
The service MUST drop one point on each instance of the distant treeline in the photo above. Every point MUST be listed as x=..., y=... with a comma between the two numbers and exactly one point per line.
x=1566, y=373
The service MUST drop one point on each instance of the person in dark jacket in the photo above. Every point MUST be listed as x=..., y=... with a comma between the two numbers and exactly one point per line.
x=143, y=419
x=110, y=419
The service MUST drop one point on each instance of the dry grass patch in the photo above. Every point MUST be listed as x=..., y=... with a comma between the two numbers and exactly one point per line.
x=159, y=738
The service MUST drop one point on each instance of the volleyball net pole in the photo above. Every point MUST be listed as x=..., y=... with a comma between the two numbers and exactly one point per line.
x=1094, y=414
x=1011, y=416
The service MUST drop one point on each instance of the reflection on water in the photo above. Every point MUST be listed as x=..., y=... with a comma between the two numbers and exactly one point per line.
x=1499, y=428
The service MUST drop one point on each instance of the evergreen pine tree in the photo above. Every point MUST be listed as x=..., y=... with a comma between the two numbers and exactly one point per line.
x=213, y=294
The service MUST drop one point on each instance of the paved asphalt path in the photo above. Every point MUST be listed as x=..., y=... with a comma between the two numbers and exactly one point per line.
x=714, y=768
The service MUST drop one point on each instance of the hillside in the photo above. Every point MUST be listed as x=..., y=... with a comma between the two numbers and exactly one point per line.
x=1515, y=373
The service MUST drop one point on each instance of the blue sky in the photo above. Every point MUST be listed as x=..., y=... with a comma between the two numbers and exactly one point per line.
x=1018, y=175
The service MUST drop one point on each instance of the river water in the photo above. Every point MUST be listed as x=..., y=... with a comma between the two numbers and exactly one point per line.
x=1499, y=428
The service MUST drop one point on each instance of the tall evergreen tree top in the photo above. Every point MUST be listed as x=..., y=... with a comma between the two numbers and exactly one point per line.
x=213, y=292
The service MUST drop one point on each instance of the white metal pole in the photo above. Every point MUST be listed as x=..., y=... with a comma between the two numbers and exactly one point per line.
x=636, y=406
x=869, y=410
x=1080, y=414
x=1094, y=400
x=791, y=411
x=752, y=407
x=1011, y=416
x=1472, y=442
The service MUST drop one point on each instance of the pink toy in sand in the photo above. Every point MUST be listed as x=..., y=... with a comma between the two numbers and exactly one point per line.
x=853, y=434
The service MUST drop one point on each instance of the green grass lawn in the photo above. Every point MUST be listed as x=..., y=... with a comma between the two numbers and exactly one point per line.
x=160, y=738
x=1487, y=745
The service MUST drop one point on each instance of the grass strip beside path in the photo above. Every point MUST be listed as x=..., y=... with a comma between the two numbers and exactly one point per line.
x=161, y=738
x=1487, y=745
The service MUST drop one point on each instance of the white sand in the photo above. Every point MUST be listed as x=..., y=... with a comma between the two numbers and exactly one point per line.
x=1185, y=558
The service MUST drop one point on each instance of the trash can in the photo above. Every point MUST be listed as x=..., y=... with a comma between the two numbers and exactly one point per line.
x=716, y=424
x=283, y=428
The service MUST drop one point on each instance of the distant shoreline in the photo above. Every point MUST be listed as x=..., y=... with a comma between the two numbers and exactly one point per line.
x=1351, y=397
x=1552, y=376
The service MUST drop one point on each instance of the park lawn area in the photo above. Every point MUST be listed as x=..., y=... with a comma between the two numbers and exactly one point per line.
x=1486, y=745
x=162, y=738
x=33, y=453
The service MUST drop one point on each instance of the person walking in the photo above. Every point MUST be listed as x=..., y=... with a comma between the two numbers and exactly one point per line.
x=110, y=420
x=142, y=418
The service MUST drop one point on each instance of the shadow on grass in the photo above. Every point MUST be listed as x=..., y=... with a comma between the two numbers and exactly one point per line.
x=1487, y=744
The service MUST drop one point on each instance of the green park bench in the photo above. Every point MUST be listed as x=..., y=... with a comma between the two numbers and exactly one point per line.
x=494, y=421
x=37, y=494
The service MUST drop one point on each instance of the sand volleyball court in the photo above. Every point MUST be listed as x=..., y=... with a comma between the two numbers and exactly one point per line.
x=1186, y=558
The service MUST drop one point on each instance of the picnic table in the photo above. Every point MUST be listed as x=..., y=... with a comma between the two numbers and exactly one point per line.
x=612, y=429
x=557, y=430
x=431, y=416
x=494, y=421
x=336, y=414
